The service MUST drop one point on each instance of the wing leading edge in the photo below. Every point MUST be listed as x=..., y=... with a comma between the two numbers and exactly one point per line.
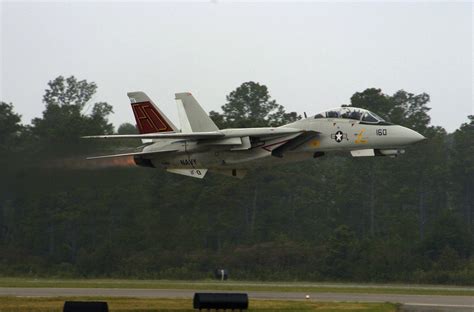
x=227, y=133
x=189, y=136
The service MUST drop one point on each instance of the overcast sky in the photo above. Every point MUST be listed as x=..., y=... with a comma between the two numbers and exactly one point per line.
x=312, y=56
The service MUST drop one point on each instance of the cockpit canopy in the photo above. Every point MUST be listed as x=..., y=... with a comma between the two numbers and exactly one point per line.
x=349, y=112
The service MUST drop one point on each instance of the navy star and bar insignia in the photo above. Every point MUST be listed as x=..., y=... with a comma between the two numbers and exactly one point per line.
x=339, y=136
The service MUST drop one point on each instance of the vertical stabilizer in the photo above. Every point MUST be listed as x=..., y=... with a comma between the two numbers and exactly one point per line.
x=192, y=117
x=183, y=118
x=149, y=118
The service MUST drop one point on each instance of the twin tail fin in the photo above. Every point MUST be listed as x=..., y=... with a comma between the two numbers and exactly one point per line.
x=149, y=118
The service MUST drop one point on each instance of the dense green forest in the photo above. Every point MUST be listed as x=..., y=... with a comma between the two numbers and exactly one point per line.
x=335, y=218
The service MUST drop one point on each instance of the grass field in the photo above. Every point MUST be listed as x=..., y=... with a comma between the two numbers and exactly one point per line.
x=241, y=286
x=14, y=304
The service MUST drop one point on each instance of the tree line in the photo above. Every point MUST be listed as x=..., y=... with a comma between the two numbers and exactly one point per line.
x=335, y=218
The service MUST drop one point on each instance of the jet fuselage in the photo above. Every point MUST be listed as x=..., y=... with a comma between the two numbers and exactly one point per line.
x=200, y=145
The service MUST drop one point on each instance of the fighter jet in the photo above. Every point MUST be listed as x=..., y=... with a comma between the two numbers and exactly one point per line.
x=200, y=146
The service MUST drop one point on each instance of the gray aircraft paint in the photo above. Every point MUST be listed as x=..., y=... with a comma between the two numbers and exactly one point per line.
x=201, y=146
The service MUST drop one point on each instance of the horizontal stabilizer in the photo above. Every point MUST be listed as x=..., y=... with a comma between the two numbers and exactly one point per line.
x=133, y=154
x=195, y=173
x=118, y=155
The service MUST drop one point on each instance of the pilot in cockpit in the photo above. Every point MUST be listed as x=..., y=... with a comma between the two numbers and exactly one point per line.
x=355, y=115
x=347, y=112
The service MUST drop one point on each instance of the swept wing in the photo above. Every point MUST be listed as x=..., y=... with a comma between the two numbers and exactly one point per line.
x=183, y=136
x=226, y=133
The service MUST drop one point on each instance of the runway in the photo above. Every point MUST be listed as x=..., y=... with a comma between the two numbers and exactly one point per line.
x=409, y=302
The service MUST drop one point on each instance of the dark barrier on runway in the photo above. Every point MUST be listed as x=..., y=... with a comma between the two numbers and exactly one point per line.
x=85, y=306
x=221, y=301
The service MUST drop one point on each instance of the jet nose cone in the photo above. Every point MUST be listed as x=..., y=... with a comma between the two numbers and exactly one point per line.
x=411, y=136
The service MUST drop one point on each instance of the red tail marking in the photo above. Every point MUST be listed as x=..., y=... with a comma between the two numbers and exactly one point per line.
x=149, y=119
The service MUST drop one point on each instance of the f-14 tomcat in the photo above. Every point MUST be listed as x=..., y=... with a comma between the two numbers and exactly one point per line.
x=200, y=146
